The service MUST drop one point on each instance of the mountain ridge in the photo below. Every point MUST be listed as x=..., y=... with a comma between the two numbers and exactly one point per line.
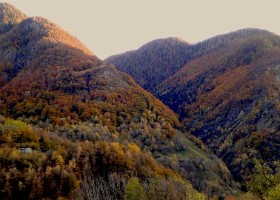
x=227, y=94
x=174, y=47
x=174, y=53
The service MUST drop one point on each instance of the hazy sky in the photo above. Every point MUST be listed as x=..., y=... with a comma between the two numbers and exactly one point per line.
x=111, y=27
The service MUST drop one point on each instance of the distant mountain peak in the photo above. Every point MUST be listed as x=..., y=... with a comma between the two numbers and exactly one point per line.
x=160, y=55
x=9, y=15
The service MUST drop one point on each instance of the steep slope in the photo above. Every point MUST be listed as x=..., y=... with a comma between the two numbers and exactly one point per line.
x=53, y=82
x=225, y=90
x=48, y=71
x=22, y=45
x=230, y=98
x=153, y=62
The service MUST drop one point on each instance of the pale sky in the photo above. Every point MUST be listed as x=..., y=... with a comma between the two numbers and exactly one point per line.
x=112, y=27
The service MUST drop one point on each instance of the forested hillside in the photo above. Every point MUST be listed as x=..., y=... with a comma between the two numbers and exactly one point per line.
x=154, y=62
x=226, y=93
x=229, y=98
x=82, y=120
x=60, y=168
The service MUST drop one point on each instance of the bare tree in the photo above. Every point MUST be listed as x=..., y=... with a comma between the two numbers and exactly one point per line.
x=97, y=187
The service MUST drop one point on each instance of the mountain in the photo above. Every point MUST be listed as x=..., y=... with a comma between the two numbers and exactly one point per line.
x=83, y=120
x=153, y=62
x=229, y=99
x=23, y=45
x=227, y=95
x=157, y=60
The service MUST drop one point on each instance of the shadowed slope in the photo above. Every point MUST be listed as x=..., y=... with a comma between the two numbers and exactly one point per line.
x=229, y=98
x=153, y=62
x=226, y=91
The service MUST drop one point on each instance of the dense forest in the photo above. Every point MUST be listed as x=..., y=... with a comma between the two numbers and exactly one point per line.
x=59, y=168
x=74, y=127
x=226, y=93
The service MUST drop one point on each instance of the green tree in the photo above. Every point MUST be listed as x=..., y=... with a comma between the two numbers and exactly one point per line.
x=134, y=190
x=264, y=181
x=274, y=193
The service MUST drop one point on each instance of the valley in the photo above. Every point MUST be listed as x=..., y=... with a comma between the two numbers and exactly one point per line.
x=171, y=120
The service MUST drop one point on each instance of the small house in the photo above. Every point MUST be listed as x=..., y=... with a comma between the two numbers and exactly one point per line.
x=25, y=150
